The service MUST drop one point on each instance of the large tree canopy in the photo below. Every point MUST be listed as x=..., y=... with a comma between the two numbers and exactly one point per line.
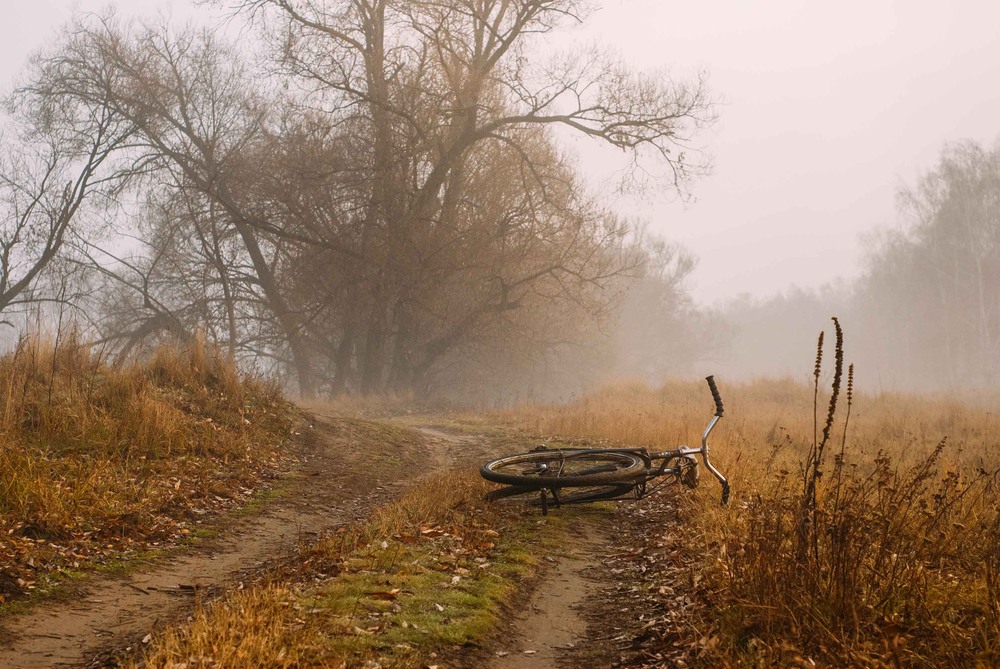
x=370, y=207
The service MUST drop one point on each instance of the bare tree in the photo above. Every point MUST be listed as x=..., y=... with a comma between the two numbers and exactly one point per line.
x=400, y=203
x=57, y=158
x=659, y=332
x=196, y=119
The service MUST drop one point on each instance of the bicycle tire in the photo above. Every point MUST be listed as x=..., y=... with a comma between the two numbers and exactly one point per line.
x=688, y=476
x=586, y=494
x=681, y=469
x=572, y=468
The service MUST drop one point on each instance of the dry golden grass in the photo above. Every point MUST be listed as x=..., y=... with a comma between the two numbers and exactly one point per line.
x=895, y=561
x=96, y=458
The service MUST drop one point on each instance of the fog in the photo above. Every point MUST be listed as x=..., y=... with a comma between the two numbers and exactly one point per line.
x=836, y=161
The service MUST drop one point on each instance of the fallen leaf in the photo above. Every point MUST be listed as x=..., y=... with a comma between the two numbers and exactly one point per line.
x=386, y=595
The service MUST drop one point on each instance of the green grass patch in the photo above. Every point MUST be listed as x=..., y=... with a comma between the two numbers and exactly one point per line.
x=424, y=575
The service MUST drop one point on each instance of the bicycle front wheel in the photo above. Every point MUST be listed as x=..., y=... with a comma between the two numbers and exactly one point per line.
x=560, y=469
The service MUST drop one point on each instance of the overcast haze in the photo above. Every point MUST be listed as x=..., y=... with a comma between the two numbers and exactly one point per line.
x=828, y=111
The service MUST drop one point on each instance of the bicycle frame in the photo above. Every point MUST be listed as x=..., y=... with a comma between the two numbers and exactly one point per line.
x=681, y=451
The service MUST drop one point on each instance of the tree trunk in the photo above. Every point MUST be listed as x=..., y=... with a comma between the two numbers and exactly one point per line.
x=342, y=362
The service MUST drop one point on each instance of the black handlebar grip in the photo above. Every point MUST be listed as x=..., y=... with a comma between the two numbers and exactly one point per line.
x=715, y=395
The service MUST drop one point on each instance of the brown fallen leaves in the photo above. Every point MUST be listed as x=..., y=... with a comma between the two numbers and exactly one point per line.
x=646, y=614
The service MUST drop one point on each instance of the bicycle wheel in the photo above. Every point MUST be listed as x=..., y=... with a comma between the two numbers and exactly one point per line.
x=579, y=495
x=559, y=469
x=688, y=471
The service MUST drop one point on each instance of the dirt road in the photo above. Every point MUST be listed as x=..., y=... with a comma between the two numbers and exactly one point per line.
x=346, y=468
x=615, y=594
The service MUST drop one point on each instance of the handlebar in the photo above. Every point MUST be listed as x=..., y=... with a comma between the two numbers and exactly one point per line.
x=715, y=395
x=704, y=439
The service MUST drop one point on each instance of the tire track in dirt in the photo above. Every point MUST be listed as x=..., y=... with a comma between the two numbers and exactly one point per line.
x=553, y=627
x=338, y=481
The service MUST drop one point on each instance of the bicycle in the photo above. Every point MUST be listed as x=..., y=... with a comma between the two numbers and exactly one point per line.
x=581, y=475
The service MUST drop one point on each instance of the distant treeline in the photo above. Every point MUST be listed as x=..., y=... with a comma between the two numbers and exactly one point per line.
x=925, y=312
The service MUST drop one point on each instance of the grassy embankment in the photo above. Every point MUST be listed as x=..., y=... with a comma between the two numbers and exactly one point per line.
x=886, y=554
x=98, y=462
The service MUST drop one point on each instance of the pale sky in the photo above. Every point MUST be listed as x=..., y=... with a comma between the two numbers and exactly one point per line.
x=829, y=108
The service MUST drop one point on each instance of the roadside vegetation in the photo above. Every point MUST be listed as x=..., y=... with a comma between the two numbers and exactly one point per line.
x=864, y=530
x=98, y=460
x=422, y=577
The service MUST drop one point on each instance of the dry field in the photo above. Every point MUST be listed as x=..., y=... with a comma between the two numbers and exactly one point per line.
x=879, y=547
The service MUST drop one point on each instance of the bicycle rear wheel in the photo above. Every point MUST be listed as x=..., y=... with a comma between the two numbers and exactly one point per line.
x=560, y=469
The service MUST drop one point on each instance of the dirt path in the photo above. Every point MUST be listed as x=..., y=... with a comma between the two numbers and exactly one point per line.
x=553, y=629
x=340, y=461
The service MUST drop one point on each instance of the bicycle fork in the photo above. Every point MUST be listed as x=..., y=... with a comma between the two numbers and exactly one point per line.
x=704, y=451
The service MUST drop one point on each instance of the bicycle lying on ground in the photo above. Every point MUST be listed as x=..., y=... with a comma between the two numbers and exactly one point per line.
x=580, y=475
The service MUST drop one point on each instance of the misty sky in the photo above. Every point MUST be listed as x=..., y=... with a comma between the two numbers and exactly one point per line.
x=828, y=110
